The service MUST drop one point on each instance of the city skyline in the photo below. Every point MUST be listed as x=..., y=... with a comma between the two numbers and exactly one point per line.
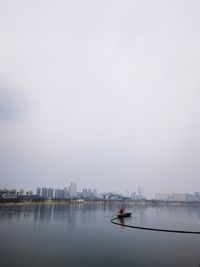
x=138, y=190
x=71, y=193
x=139, y=193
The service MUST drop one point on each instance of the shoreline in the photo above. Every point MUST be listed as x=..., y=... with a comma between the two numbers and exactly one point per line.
x=108, y=202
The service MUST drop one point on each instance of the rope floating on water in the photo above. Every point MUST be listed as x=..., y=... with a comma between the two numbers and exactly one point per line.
x=154, y=229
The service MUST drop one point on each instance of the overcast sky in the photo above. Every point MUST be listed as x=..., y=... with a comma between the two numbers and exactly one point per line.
x=102, y=93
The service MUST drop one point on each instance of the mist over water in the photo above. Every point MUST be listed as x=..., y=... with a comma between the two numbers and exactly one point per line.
x=82, y=235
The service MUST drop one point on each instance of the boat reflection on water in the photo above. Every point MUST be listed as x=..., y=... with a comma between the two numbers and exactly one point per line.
x=121, y=218
x=122, y=214
x=121, y=221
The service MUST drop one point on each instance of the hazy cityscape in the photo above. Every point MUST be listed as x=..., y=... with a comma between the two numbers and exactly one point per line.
x=71, y=192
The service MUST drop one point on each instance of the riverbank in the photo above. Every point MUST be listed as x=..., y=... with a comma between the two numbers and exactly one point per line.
x=81, y=201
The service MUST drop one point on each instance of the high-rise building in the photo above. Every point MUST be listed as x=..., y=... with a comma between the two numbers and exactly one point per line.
x=38, y=191
x=44, y=192
x=141, y=192
x=73, y=190
x=59, y=194
x=84, y=193
x=50, y=193
x=66, y=192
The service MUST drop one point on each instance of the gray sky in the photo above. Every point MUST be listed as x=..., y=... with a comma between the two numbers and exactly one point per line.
x=104, y=93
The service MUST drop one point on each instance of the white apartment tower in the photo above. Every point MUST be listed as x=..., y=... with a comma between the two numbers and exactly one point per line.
x=73, y=190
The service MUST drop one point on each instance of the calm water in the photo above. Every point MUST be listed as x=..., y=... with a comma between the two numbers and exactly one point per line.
x=82, y=235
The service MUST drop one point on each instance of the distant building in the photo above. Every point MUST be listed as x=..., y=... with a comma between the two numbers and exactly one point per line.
x=134, y=196
x=112, y=196
x=59, y=194
x=197, y=196
x=73, y=190
x=21, y=192
x=79, y=195
x=3, y=191
x=38, y=191
x=44, y=192
x=141, y=192
x=84, y=193
x=89, y=193
x=50, y=193
x=175, y=197
x=9, y=196
x=66, y=193
x=127, y=194
x=95, y=193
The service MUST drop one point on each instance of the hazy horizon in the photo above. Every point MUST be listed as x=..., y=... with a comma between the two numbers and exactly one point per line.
x=102, y=93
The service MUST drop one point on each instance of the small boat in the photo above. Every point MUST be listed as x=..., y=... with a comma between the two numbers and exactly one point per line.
x=123, y=215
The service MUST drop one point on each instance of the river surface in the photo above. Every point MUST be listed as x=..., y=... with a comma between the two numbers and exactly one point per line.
x=80, y=235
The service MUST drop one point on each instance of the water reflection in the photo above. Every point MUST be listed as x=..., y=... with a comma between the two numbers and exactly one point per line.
x=78, y=234
x=87, y=212
x=55, y=213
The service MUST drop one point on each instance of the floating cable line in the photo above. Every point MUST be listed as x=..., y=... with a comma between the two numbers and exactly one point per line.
x=154, y=229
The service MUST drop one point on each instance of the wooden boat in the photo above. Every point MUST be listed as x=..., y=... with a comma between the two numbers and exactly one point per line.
x=123, y=215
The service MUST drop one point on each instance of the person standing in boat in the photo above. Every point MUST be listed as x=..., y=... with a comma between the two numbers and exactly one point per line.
x=121, y=211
